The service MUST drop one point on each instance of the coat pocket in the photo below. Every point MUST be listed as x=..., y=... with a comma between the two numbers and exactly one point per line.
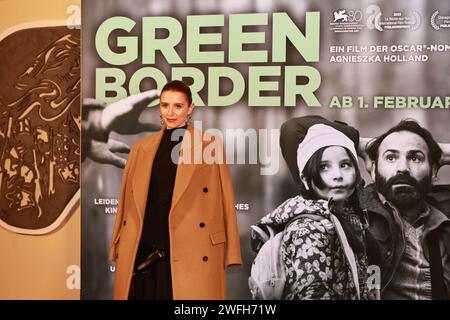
x=218, y=237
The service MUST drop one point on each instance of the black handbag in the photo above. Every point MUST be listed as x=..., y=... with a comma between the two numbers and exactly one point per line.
x=154, y=256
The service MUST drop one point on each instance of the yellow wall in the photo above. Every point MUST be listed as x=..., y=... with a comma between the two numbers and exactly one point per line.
x=34, y=267
x=14, y=12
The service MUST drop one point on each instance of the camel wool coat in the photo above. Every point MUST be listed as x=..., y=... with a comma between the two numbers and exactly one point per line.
x=203, y=231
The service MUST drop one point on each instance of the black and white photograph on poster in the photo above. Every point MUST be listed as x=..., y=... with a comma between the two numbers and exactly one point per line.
x=333, y=121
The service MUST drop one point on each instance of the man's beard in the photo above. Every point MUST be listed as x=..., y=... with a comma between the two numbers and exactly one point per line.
x=405, y=196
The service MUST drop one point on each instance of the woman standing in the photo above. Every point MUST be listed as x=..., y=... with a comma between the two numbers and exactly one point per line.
x=324, y=252
x=176, y=227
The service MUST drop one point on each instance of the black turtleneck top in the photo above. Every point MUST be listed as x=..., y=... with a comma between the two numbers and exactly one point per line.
x=155, y=231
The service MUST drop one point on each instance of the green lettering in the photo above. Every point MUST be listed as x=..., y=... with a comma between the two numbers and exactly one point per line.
x=214, y=84
x=102, y=87
x=292, y=89
x=237, y=38
x=129, y=43
x=147, y=72
x=284, y=28
x=150, y=44
x=195, y=39
x=256, y=85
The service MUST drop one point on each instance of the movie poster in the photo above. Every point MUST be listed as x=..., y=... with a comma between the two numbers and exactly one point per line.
x=251, y=66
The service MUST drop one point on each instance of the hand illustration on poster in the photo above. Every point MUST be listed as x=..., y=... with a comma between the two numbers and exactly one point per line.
x=122, y=117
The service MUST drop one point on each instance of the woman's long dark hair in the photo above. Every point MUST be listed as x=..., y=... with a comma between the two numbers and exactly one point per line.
x=311, y=172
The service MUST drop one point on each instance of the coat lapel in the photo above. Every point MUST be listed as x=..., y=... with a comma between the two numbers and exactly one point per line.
x=191, y=148
x=141, y=178
x=190, y=154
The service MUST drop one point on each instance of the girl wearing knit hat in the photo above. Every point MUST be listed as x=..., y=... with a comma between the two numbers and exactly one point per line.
x=323, y=252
